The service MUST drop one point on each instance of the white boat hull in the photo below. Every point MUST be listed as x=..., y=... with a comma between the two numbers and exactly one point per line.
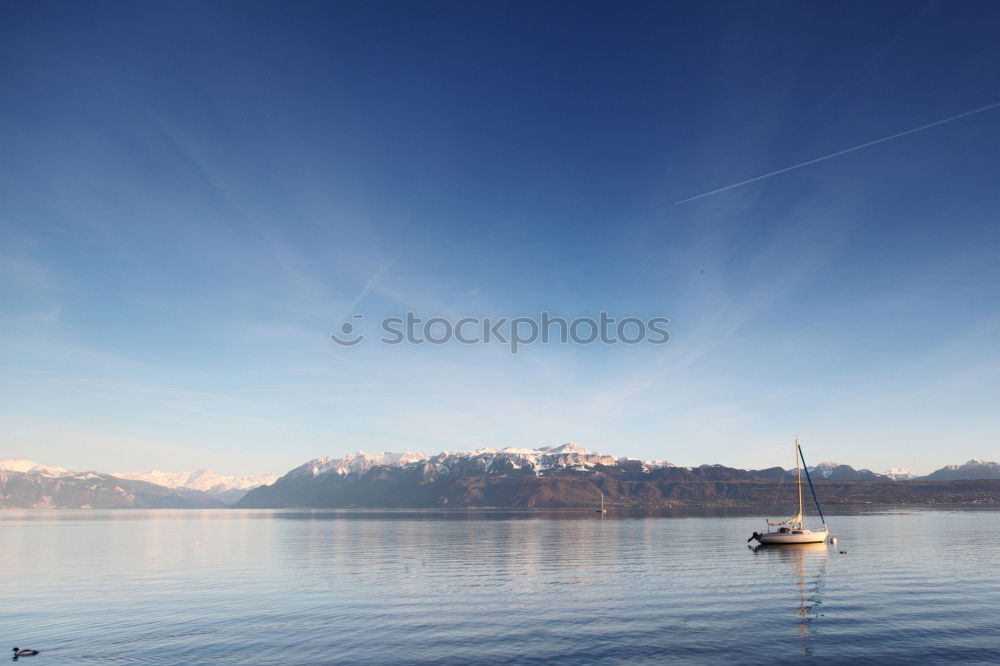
x=793, y=536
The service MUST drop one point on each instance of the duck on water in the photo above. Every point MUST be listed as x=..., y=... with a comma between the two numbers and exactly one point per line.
x=24, y=653
x=792, y=530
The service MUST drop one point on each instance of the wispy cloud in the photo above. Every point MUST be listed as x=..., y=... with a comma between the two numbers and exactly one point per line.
x=46, y=316
x=28, y=273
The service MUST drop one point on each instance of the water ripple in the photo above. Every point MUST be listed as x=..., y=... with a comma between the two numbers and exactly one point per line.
x=235, y=587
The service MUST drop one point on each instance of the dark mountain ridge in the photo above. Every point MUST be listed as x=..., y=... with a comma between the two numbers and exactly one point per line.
x=570, y=476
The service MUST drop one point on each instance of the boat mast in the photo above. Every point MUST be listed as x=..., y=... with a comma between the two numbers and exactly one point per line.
x=798, y=481
x=797, y=518
x=812, y=488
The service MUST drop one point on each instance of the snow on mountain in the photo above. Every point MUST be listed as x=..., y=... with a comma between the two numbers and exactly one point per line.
x=226, y=487
x=90, y=490
x=84, y=489
x=540, y=460
x=205, y=480
x=568, y=447
x=899, y=474
x=564, y=449
x=824, y=469
x=356, y=463
x=29, y=467
x=975, y=463
x=973, y=469
x=838, y=472
x=489, y=460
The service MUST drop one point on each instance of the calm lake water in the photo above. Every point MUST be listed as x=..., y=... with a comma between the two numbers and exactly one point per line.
x=357, y=587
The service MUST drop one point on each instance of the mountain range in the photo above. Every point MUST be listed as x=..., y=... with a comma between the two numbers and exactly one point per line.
x=26, y=484
x=570, y=475
x=225, y=488
x=566, y=475
x=974, y=469
x=92, y=490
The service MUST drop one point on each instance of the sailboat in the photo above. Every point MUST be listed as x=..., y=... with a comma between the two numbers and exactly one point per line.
x=792, y=530
x=601, y=508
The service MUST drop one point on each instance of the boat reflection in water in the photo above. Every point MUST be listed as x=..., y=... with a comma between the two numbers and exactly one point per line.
x=806, y=563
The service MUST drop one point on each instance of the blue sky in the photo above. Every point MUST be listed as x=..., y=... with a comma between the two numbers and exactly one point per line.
x=195, y=195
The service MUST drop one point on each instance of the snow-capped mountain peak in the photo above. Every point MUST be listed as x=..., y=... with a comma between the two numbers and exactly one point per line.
x=568, y=447
x=358, y=462
x=899, y=474
x=204, y=479
x=825, y=468
x=487, y=459
x=27, y=466
x=973, y=469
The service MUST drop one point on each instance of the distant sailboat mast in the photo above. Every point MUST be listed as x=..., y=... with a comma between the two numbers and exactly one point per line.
x=602, y=509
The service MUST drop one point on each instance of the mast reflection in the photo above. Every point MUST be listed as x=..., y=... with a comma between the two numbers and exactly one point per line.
x=808, y=566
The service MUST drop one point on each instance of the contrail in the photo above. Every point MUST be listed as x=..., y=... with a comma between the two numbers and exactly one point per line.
x=368, y=285
x=842, y=152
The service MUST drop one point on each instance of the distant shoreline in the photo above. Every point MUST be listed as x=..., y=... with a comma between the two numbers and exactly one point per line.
x=498, y=513
x=406, y=488
x=532, y=492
